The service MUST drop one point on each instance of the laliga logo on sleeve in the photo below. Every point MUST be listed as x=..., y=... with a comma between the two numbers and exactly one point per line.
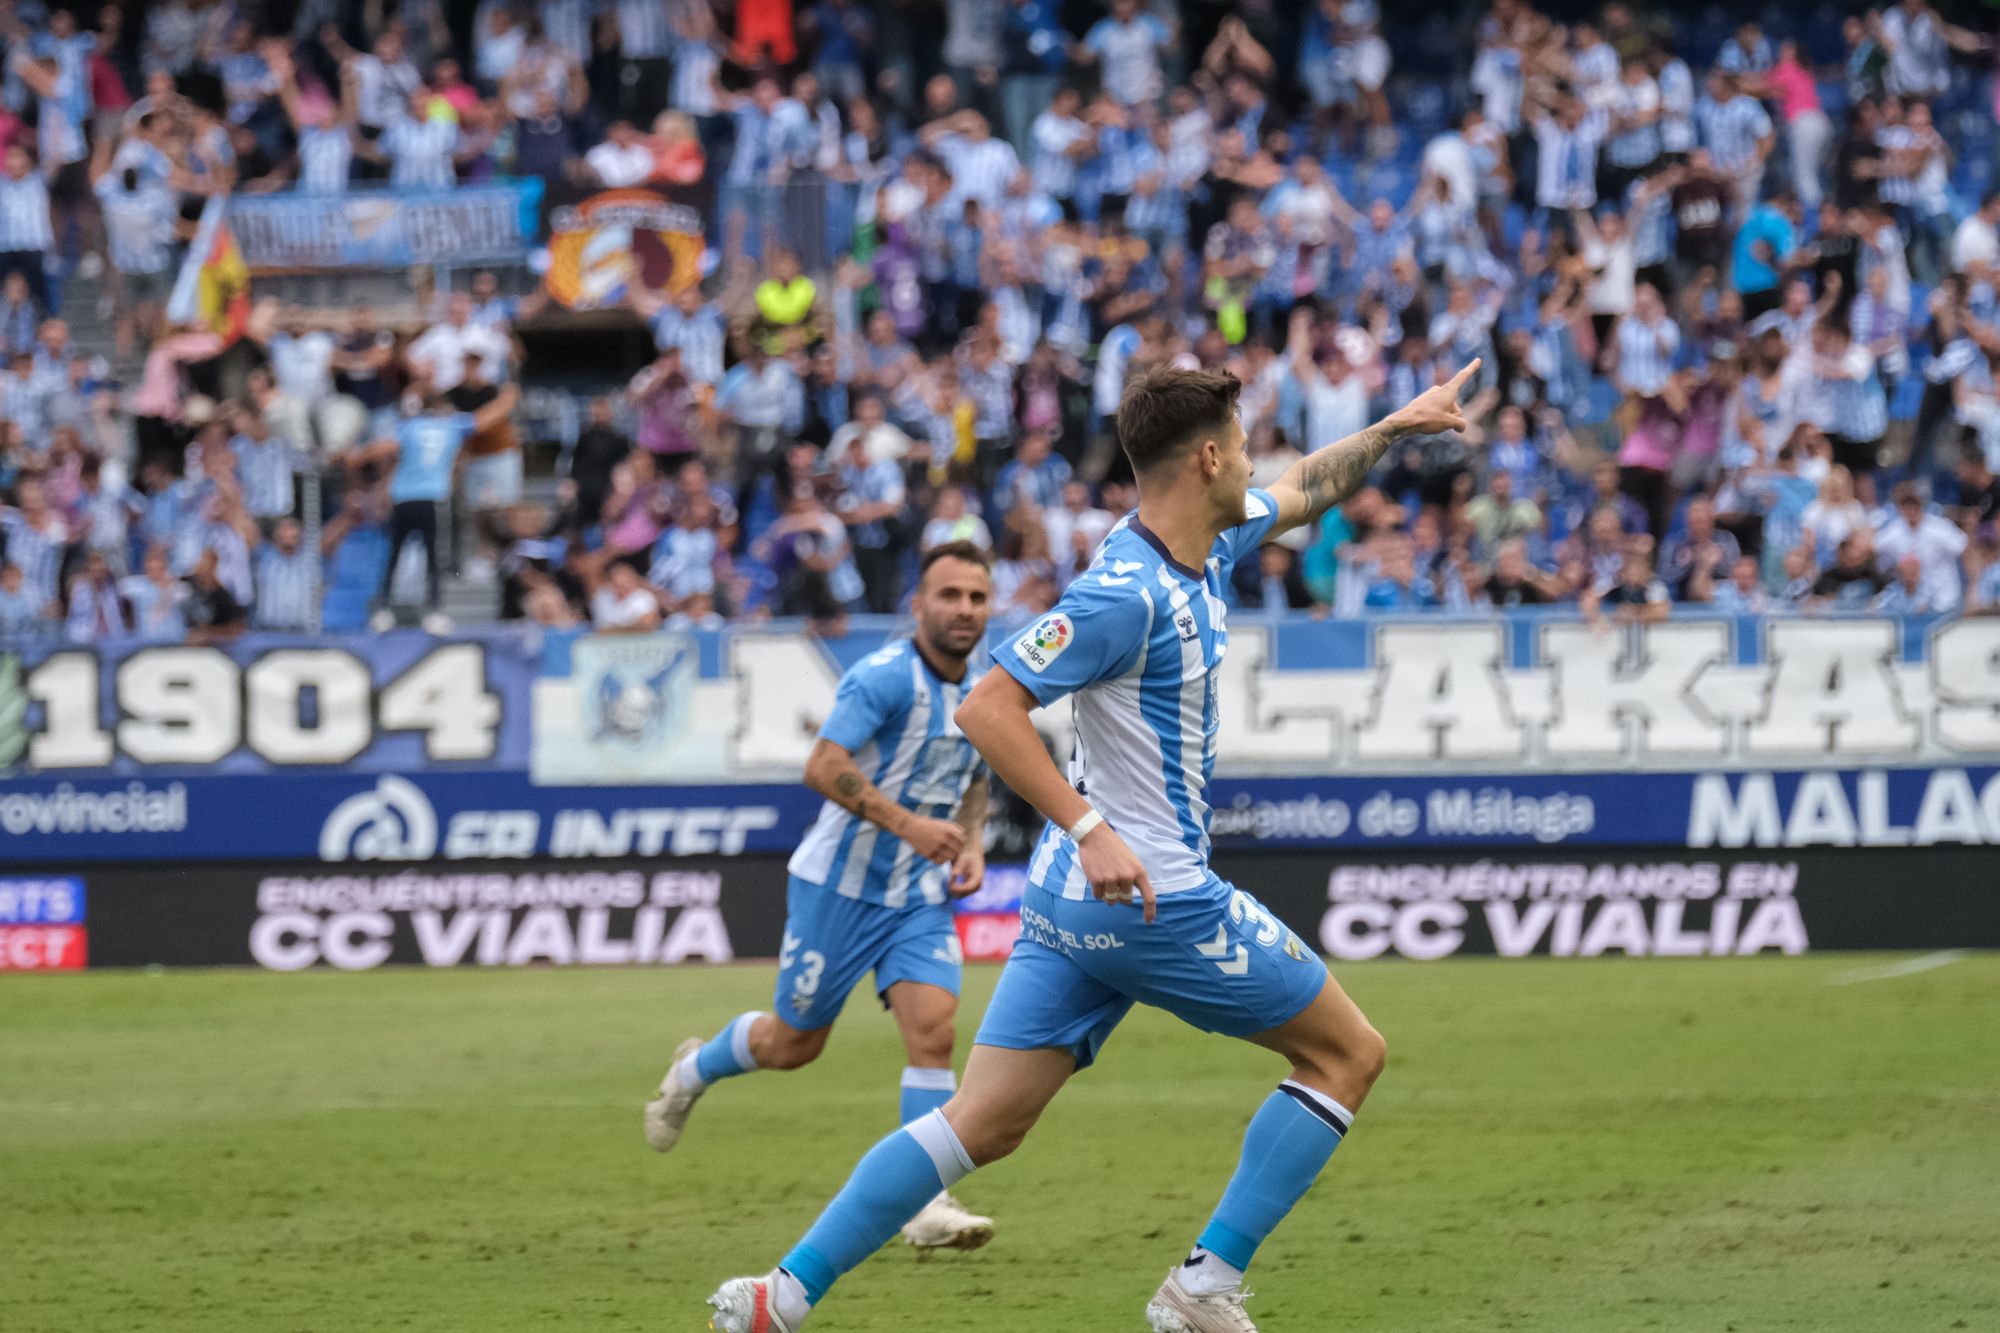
x=1044, y=641
x=394, y=822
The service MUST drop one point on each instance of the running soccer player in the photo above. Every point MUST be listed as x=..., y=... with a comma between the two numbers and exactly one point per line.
x=903, y=826
x=1136, y=640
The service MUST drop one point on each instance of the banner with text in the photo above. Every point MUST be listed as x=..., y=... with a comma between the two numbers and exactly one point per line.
x=265, y=703
x=1612, y=902
x=289, y=917
x=472, y=224
x=1630, y=903
x=1449, y=733
x=1493, y=695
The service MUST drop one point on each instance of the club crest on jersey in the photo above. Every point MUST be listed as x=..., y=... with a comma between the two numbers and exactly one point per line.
x=1042, y=642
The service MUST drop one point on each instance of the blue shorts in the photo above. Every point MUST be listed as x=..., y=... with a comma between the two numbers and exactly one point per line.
x=830, y=941
x=1214, y=957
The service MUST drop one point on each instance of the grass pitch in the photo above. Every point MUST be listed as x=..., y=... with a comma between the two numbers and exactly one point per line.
x=1588, y=1145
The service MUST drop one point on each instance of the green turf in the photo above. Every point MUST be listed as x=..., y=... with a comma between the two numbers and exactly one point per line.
x=1580, y=1145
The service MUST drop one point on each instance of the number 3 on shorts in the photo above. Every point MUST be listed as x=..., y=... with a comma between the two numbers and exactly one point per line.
x=1246, y=912
x=811, y=964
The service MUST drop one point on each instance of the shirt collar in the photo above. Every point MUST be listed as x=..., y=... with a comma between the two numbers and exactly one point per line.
x=1152, y=539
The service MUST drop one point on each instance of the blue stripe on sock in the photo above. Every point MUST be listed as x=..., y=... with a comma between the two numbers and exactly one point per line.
x=920, y=1102
x=1232, y=1247
x=1284, y=1150
x=719, y=1055
x=814, y=1273
x=888, y=1188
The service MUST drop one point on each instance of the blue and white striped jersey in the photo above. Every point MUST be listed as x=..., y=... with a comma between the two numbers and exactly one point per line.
x=1137, y=639
x=285, y=588
x=894, y=715
x=138, y=225
x=265, y=468
x=326, y=156
x=979, y=170
x=419, y=153
x=1676, y=106
x=37, y=550
x=567, y=23
x=1566, y=170
x=700, y=337
x=1646, y=354
x=645, y=29
x=1731, y=130
x=692, y=87
x=24, y=214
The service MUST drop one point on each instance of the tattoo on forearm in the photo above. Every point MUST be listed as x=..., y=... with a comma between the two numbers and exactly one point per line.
x=972, y=810
x=1328, y=476
x=853, y=791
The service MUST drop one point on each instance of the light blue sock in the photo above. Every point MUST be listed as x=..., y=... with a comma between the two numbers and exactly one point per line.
x=891, y=1185
x=925, y=1090
x=727, y=1053
x=1288, y=1143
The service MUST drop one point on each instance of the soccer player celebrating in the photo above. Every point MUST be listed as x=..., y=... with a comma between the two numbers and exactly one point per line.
x=1136, y=640
x=903, y=826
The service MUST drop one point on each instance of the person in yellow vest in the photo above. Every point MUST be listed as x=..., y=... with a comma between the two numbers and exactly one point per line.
x=786, y=300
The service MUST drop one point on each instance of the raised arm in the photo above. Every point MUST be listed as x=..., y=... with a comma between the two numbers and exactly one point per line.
x=495, y=412
x=831, y=771
x=994, y=717
x=1325, y=477
x=101, y=156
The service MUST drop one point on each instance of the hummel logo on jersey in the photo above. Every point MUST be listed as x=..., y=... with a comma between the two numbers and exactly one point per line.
x=1042, y=642
x=1184, y=622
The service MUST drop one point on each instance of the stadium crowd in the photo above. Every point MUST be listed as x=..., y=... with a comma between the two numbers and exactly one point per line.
x=1733, y=294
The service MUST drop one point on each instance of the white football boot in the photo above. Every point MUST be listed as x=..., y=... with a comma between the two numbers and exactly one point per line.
x=1175, y=1309
x=946, y=1224
x=749, y=1305
x=667, y=1114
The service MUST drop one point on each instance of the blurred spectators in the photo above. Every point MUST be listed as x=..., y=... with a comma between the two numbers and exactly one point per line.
x=1735, y=307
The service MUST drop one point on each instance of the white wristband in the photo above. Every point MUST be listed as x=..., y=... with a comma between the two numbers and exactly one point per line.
x=1082, y=827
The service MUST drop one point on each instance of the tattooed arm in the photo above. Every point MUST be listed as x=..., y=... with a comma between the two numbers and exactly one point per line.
x=971, y=814
x=831, y=772
x=968, y=869
x=1325, y=477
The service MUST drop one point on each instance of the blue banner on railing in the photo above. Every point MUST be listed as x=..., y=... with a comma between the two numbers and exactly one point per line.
x=268, y=703
x=53, y=823
x=387, y=228
x=1533, y=731
x=386, y=817
x=1487, y=695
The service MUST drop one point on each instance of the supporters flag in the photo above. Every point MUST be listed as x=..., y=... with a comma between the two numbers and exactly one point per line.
x=213, y=289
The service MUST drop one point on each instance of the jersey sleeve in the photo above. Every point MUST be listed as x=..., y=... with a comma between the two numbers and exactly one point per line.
x=1260, y=512
x=865, y=701
x=1096, y=632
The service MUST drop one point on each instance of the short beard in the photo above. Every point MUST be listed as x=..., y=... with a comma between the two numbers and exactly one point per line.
x=930, y=640
x=1233, y=511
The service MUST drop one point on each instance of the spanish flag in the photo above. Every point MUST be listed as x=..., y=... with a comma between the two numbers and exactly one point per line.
x=213, y=288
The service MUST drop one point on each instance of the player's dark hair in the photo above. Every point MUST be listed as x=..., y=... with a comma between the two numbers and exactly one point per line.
x=970, y=552
x=1166, y=412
